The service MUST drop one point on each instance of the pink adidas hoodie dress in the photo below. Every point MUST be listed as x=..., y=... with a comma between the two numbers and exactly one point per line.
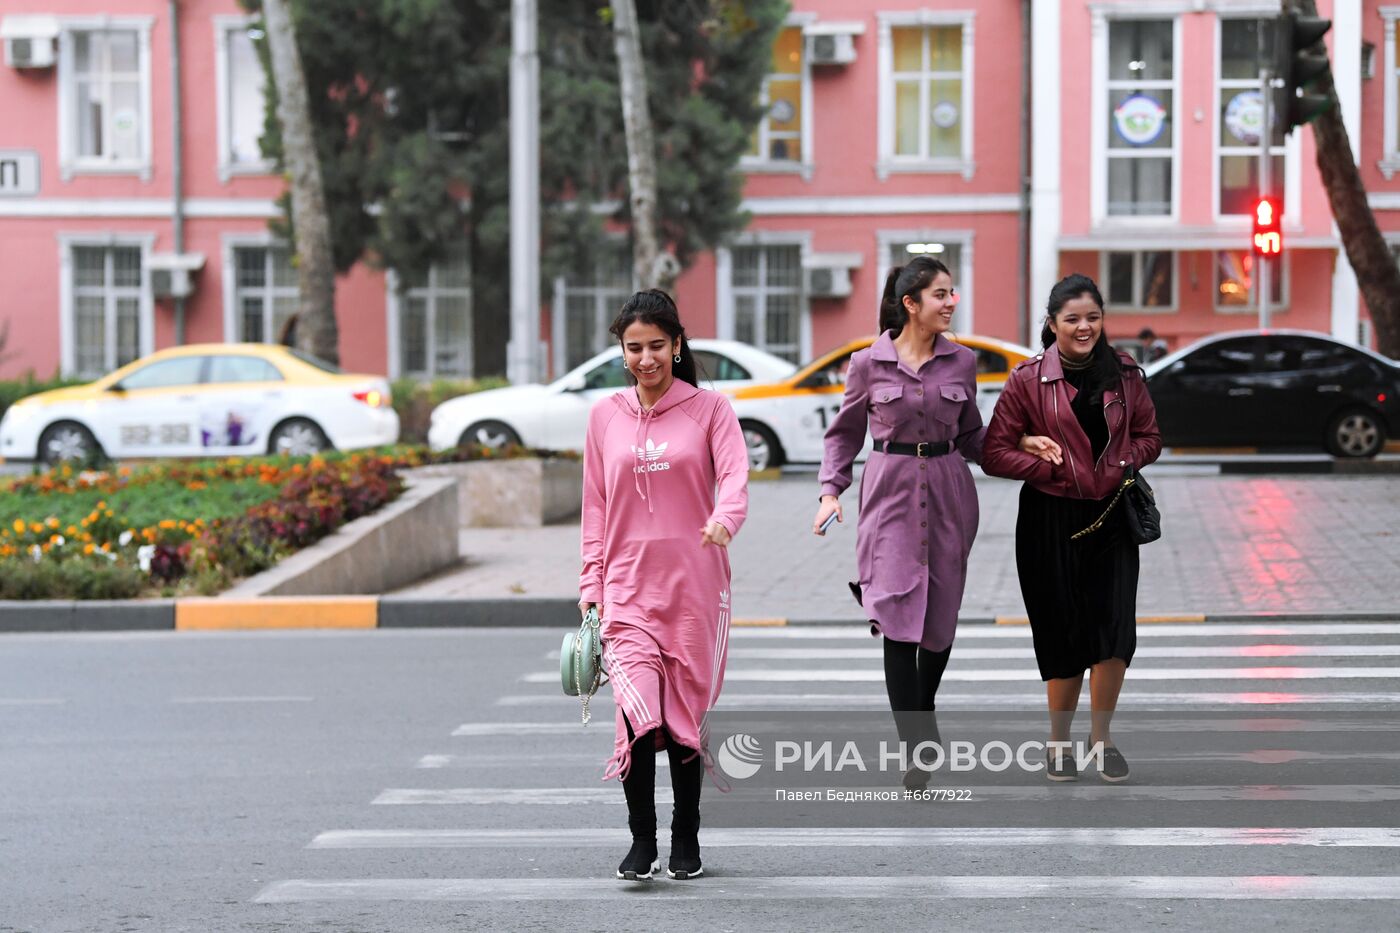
x=651, y=481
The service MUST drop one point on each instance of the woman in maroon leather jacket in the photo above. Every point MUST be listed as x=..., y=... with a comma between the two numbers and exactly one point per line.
x=1069, y=423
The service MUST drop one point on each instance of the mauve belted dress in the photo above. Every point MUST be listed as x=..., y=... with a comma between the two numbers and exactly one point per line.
x=918, y=516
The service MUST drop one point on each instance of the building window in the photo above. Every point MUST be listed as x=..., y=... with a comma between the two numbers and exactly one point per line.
x=106, y=326
x=435, y=321
x=951, y=255
x=778, y=138
x=1390, y=161
x=1236, y=282
x=105, y=96
x=242, y=105
x=1141, y=118
x=1144, y=281
x=265, y=292
x=926, y=72
x=1241, y=116
x=587, y=302
x=768, y=307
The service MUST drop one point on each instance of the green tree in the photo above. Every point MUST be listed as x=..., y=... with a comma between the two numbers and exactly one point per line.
x=410, y=102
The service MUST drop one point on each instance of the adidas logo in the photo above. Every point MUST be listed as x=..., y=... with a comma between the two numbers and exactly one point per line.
x=652, y=451
x=724, y=599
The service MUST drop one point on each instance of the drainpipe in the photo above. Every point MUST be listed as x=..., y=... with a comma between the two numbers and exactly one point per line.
x=177, y=169
x=1023, y=226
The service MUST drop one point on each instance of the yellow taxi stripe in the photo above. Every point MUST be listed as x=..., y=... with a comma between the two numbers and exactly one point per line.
x=279, y=612
x=758, y=623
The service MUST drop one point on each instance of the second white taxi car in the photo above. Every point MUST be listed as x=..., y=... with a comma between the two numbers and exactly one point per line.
x=204, y=400
x=785, y=422
x=555, y=416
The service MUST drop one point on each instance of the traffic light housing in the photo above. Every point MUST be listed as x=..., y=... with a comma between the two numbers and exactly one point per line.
x=1268, y=227
x=1299, y=61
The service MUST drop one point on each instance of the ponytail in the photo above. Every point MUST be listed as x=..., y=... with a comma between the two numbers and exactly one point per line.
x=906, y=281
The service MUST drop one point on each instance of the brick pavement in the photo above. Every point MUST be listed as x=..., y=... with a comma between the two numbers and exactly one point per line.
x=1230, y=544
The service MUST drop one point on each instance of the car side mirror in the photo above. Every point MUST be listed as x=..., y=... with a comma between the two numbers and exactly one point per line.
x=818, y=380
x=116, y=387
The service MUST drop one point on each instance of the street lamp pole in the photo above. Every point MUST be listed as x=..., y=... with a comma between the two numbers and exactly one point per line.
x=523, y=351
x=1266, y=136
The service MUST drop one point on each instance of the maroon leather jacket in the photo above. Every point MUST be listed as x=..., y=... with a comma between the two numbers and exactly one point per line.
x=1036, y=400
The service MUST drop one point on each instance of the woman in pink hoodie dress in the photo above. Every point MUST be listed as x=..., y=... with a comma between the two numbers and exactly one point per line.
x=665, y=488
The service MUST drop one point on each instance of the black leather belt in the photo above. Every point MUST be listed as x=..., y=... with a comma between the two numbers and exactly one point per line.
x=921, y=450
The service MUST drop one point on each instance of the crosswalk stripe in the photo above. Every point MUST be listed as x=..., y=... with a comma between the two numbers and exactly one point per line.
x=859, y=837
x=1191, y=793
x=845, y=887
x=522, y=728
x=858, y=630
x=1149, y=651
x=552, y=757
x=738, y=699
x=801, y=675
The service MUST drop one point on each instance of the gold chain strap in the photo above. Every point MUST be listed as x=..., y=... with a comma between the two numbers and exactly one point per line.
x=1098, y=523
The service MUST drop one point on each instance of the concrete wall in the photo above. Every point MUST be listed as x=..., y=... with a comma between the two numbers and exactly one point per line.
x=401, y=543
x=513, y=493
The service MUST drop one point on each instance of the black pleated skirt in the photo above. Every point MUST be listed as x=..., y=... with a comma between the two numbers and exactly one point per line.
x=1081, y=596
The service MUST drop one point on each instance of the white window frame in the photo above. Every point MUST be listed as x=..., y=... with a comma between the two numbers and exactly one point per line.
x=724, y=284
x=432, y=291
x=804, y=166
x=232, y=242
x=69, y=161
x=889, y=163
x=67, y=324
x=1136, y=306
x=223, y=26
x=885, y=240
x=559, y=330
x=1280, y=268
x=1389, y=163
x=1098, y=169
x=1292, y=174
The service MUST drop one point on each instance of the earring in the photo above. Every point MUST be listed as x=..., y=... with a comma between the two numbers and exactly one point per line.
x=677, y=357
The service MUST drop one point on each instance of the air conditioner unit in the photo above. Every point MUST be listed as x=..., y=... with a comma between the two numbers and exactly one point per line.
x=30, y=41
x=831, y=49
x=828, y=281
x=172, y=274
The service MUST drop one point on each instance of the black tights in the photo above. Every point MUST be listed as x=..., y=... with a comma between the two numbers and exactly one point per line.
x=639, y=785
x=912, y=676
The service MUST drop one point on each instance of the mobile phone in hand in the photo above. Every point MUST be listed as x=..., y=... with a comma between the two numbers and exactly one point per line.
x=827, y=524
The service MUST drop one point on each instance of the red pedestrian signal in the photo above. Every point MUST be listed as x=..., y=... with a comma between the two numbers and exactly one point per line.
x=1268, y=228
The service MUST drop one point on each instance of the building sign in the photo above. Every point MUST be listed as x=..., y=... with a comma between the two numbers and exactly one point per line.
x=1244, y=117
x=1140, y=119
x=945, y=115
x=19, y=173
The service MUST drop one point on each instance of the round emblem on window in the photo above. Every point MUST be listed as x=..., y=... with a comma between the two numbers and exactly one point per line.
x=945, y=114
x=1140, y=119
x=782, y=111
x=1244, y=117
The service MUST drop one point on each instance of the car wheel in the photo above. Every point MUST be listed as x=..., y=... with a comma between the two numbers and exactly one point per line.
x=1355, y=433
x=491, y=434
x=67, y=442
x=297, y=437
x=765, y=452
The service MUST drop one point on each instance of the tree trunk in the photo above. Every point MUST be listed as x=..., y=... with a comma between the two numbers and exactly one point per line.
x=316, y=330
x=1376, y=271
x=654, y=266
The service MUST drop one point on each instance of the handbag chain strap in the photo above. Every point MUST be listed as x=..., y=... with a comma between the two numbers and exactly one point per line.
x=1098, y=522
x=590, y=620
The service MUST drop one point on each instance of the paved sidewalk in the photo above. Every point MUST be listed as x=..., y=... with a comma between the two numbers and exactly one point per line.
x=1231, y=544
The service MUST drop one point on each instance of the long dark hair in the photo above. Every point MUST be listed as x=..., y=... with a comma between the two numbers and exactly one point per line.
x=904, y=281
x=653, y=306
x=1107, y=368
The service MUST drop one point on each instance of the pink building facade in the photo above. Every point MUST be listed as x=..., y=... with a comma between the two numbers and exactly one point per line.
x=893, y=129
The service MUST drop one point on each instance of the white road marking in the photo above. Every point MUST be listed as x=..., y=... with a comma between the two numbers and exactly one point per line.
x=237, y=699
x=860, y=837
x=36, y=701
x=494, y=796
x=846, y=887
x=536, y=759
x=1149, y=651
x=873, y=675
x=859, y=631
x=736, y=699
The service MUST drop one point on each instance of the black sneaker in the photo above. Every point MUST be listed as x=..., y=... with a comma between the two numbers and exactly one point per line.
x=684, y=863
x=1060, y=767
x=1115, y=767
x=641, y=861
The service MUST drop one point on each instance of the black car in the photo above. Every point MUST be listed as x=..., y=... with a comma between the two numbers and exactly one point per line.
x=1277, y=388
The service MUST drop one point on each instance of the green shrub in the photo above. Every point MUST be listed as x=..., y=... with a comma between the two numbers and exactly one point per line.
x=415, y=401
x=76, y=578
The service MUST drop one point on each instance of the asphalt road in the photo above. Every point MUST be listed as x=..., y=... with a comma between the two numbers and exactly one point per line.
x=435, y=780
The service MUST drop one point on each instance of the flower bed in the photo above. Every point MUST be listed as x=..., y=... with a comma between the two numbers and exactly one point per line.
x=188, y=527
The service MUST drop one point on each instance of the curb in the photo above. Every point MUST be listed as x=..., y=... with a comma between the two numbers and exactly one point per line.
x=395, y=612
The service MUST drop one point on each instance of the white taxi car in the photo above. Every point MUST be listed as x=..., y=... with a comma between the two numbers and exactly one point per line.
x=204, y=400
x=786, y=421
x=555, y=416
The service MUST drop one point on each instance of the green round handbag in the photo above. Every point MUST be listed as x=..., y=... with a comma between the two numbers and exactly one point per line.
x=580, y=661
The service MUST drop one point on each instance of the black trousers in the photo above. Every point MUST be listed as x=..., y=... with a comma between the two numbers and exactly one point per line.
x=639, y=786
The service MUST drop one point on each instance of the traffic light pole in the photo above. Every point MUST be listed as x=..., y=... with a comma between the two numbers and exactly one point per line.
x=1266, y=137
